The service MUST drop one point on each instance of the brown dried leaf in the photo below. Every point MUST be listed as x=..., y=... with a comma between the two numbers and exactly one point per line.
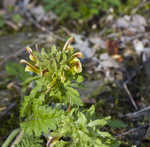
x=112, y=47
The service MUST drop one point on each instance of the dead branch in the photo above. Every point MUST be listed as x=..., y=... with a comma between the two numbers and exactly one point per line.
x=130, y=131
x=137, y=113
x=11, y=106
x=130, y=96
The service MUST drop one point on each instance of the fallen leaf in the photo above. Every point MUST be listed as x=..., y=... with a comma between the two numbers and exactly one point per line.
x=112, y=47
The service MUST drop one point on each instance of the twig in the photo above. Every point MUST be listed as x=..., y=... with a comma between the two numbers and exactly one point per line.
x=134, y=74
x=130, y=131
x=11, y=106
x=18, y=138
x=12, y=25
x=137, y=113
x=130, y=96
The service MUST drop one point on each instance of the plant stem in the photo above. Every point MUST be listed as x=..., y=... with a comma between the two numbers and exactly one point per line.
x=10, y=137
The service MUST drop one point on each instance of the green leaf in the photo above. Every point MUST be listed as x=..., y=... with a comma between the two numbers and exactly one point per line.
x=80, y=79
x=43, y=53
x=99, y=122
x=105, y=134
x=53, y=50
x=16, y=18
x=30, y=141
x=116, y=124
x=90, y=112
x=82, y=119
x=43, y=120
x=73, y=95
x=15, y=69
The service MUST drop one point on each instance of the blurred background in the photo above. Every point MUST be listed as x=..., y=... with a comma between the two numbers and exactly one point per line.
x=114, y=37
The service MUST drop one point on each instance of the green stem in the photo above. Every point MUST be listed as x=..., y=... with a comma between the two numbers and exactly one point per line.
x=18, y=138
x=10, y=137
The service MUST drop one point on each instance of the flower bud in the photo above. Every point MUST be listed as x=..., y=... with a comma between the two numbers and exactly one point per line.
x=67, y=44
x=31, y=56
x=78, y=55
x=76, y=65
x=29, y=67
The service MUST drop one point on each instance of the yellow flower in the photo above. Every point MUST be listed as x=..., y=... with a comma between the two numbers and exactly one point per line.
x=76, y=65
x=67, y=44
x=78, y=55
x=31, y=55
x=30, y=67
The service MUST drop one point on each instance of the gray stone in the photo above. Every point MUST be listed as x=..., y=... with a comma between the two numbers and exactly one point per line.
x=122, y=23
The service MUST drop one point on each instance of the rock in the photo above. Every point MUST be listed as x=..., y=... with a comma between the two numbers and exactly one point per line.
x=104, y=56
x=138, y=24
x=90, y=87
x=122, y=23
x=133, y=24
x=97, y=41
x=138, y=46
x=109, y=18
x=124, y=40
x=38, y=13
x=83, y=46
x=146, y=61
x=107, y=62
x=138, y=20
x=90, y=63
x=50, y=17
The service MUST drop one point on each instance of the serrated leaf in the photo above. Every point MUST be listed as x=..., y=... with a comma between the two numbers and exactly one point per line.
x=91, y=111
x=82, y=119
x=73, y=96
x=105, y=134
x=99, y=122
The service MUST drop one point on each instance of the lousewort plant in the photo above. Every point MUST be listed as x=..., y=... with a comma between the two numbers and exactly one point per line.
x=54, y=109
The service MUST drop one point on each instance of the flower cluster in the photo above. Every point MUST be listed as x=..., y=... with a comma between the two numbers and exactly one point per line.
x=69, y=65
x=74, y=63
